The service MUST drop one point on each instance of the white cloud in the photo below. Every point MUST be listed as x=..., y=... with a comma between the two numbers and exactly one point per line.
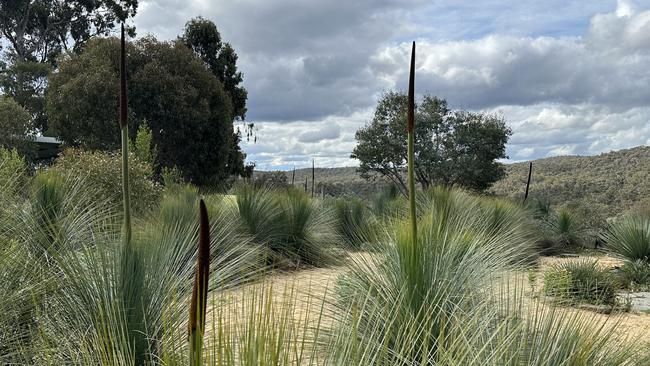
x=570, y=79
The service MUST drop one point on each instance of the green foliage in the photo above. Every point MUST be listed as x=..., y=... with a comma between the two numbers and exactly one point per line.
x=16, y=125
x=581, y=281
x=142, y=146
x=25, y=82
x=169, y=86
x=558, y=230
x=629, y=237
x=567, y=227
x=275, y=179
x=387, y=203
x=294, y=229
x=637, y=274
x=69, y=23
x=13, y=173
x=202, y=37
x=457, y=248
x=355, y=223
x=101, y=173
x=451, y=148
x=172, y=178
x=607, y=185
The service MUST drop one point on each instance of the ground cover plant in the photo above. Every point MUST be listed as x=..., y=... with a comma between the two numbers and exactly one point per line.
x=582, y=281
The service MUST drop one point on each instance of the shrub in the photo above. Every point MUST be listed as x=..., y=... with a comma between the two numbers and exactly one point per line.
x=629, y=238
x=101, y=174
x=581, y=281
x=308, y=233
x=13, y=173
x=637, y=273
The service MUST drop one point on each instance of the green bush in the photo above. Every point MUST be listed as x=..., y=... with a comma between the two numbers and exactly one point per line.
x=637, y=274
x=581, y=281
x=629, y=237
x=13, y=173
x=101, y=173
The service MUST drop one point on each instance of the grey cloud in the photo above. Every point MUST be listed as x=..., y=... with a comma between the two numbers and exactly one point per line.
x=570, y=76
x=329, y=131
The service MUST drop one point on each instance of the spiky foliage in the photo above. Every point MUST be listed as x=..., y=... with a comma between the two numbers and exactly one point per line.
x=567, y=228
x=294, y=229
x=308, y=235
x=581, y=281
x=629, y=238
x=89, y=322
x=458, y=250
x=637, y=274
x=355, y=223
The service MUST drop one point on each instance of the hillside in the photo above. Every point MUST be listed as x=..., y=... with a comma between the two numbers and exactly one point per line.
x=604, y=185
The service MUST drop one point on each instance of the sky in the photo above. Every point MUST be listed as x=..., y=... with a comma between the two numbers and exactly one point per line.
x=569, y=77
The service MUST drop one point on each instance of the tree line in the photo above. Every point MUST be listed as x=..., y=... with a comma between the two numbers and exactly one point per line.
x=59, y=77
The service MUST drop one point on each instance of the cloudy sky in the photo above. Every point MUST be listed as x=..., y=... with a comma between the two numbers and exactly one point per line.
x=570, y=77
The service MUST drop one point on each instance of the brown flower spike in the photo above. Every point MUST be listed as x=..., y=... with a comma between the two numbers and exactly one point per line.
x=411, y=94
x=202, y=272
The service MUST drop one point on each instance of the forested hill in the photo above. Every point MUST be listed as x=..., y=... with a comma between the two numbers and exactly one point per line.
x=605, y=185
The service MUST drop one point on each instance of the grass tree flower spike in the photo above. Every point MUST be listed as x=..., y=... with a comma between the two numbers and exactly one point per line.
x=196, y=325
x=124, y=127
x=410, y=120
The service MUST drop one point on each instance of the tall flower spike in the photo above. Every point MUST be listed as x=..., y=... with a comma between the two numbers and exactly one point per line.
x=410, y=127
x=196, y=325
x=411, y=96
x=123, y=99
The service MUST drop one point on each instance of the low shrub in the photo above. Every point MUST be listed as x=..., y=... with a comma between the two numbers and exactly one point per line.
x=637, y=274
x=581, y=282
x=629, y=237
x=101, y=172
x=13, y=173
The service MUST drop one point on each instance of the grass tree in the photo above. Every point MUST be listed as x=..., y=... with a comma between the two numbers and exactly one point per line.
x=198, y=306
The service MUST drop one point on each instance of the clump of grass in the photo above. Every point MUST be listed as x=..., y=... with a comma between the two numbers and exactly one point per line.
x=308, y=234
x=581, y=282
x=354, y=222
x=629, y=238
x=294, y=229
x=566, y=228
x=637, y=274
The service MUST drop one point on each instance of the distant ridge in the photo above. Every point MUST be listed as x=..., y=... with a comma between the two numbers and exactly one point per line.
x=607, y=185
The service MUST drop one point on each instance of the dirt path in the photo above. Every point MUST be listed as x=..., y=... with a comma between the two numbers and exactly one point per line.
x=301, y=300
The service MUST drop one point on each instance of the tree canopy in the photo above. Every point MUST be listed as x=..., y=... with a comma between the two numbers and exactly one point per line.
x=38, y=31
x=451, y=147
x=202, y=37
x=188, y=111
x=16, y=125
